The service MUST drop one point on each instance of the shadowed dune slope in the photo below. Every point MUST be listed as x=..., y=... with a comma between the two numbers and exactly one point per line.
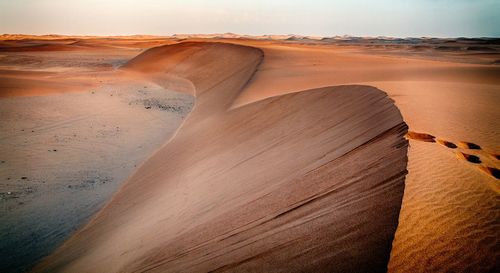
x=310, y=181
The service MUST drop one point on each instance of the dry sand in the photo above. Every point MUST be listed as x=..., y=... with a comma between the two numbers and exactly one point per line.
x=63, y=155
x=234, y=190
x=211, y=201
x=449, y=219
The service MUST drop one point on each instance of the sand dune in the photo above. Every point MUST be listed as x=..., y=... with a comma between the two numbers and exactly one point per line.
x=446, y=89
x=455, y=101
x=210, y=201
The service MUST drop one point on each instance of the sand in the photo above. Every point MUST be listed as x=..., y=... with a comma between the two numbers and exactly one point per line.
x=449, y=220
x=211, y=200
x=64, y=154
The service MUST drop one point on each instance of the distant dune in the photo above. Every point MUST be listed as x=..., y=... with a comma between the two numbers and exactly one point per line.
x=309, y=181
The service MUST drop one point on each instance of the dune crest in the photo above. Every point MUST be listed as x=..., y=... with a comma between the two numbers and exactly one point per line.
x=265, y=187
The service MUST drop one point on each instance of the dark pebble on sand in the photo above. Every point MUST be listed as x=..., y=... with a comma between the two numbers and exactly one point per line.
x=148, y=107
x=24, y=178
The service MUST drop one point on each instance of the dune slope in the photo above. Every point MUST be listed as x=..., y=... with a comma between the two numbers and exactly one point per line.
x=449, y=217
x=310, y=181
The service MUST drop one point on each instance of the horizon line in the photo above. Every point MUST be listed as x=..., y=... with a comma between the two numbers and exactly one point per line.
x=250, y=35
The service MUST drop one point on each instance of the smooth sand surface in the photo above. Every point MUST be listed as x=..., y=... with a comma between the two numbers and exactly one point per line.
x=64, y=154
x=211, y=200
x=162, y=217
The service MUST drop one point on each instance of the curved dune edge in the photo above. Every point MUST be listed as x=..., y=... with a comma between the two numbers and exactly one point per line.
x=310, y=181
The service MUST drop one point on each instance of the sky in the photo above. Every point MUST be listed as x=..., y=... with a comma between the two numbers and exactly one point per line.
x=396, y=18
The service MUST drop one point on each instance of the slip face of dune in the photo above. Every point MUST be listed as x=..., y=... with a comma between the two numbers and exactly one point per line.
x=448, y=220
x=311, y=181
x=197, y=67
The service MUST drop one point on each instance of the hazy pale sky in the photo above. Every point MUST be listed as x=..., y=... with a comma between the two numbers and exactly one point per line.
x=400, y=18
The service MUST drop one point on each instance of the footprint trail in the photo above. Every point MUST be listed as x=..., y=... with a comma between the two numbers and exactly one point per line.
x=466, y=151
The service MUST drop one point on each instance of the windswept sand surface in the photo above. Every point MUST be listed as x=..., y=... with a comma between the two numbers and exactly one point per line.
x=291, y=159
x=449, y=219
x=264, y=187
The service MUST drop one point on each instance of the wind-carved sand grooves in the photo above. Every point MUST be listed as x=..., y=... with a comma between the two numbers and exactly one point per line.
x=310, y=181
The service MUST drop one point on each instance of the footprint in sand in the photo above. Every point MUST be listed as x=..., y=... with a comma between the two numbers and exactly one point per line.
x=420, y=137
x=495, y=156
x=446, y=143
x=469, y=145
x=471, y=158
x=461, y=154
x=491, y=171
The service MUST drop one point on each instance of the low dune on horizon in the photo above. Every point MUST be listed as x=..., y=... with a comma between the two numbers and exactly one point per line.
x=231, y=153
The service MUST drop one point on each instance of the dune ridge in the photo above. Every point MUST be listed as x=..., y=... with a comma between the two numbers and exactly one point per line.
x=266, y=186
x=446, y=88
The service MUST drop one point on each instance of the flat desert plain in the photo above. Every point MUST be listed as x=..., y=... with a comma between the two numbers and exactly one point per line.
x=226, y=153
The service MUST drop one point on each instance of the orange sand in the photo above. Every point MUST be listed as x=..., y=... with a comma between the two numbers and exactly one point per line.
x=201, y=184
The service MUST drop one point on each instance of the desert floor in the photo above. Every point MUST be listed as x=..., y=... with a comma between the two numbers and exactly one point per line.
x=83, y=120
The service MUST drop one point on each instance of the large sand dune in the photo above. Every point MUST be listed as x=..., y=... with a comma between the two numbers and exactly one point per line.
x=449, y=219
x=447, y=91
x=306, y=181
